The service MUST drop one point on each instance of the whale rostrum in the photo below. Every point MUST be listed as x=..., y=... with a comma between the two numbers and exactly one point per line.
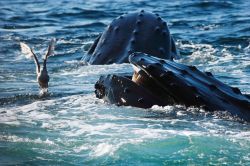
x=164, y=82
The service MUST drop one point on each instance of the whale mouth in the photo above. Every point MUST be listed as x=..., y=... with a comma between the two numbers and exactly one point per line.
x=141, y=78
x=137, y=74
x=147, y=73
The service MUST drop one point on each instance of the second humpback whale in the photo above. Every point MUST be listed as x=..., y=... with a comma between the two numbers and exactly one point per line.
x=134, y=32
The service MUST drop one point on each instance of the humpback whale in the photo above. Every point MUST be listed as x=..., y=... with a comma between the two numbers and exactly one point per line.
x=163, y=82
x=134, y=32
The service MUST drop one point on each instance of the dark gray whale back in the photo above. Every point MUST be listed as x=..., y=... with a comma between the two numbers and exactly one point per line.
x=135, y=32
x=170, y=83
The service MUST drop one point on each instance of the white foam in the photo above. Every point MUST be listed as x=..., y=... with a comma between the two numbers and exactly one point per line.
x=92, y=70
x=202, y=53
x=103, y=149
x=81, y=148
x=8, y=117
x=247, y=48
x=13, y=138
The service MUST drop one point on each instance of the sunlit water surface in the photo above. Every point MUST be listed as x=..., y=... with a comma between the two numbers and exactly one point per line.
x=71, y=126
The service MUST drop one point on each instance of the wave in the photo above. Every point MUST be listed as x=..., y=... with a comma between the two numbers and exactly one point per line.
x=81, y=13
x=90, y=25
x=211, y=4
x=19, y=26
x=23, y=99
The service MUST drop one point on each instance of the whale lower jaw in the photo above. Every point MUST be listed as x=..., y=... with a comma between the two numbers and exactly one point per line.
x=166, y=82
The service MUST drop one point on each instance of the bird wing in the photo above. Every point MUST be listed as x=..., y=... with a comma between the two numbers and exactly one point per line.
x=51, y=48
x=28, y=52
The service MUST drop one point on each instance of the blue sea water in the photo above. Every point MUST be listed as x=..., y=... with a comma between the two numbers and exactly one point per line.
x=72, y=127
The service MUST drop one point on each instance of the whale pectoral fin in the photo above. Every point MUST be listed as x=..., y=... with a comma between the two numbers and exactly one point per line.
x=93, y=46
x=51, y=48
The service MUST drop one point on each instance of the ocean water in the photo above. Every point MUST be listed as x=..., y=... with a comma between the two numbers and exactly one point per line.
x=72, y=127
